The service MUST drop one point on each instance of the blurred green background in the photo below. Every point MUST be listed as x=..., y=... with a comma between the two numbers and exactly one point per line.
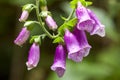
x=103, y=62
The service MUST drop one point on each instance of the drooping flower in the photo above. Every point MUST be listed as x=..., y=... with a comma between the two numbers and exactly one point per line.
x=34, y=55
x=51, y=23
x=84, y=20
x=24, y=16
x=59, y=65
x=22, y=37
x=99, y=28
x=82, y=39
x=75, y=52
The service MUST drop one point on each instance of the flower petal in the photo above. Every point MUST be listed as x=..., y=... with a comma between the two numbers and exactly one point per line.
x=33, y=57
x=22, y=37
x=82, y=39
x=24, y=16
x=84, y=20
x=51, y=23
x=73, y=47
x=59, y=64
x=98, y=29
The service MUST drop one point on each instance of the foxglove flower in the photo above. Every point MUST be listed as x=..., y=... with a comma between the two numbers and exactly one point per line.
x=22, y=37
x=24, y=16
x=98, y=27
x=84, y=20
x=51, y=23
x=75, y=52
x=59, y=64
x=82, y=39
x=33, y=57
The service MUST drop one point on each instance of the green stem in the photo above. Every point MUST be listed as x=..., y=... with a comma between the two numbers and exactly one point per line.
x=40, y=21
x=70, y=16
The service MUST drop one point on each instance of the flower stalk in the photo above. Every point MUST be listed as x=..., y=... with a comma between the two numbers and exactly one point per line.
x=41, y=23
x=71, y=35
x=70, y=16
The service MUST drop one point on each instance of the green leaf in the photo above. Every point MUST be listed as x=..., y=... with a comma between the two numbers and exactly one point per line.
x=61, y=29
x=72, y=22
x=32, y=39
x=58, y=40
x=67, y=25
x=73, y=4
x=88, y=3
x=28, y=23
x=28, y=7
x=63, y=18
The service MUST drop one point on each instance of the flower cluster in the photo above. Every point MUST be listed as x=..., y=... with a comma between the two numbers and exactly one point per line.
x=88, y=21
x=74, y=42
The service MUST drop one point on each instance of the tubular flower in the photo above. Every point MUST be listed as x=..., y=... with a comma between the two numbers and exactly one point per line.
x=22, y=37
x=82, y=39
x=51, y=23
x=59, y=65
x=24, y=16
x=84, y=20
x=98, y=27
x=75, y=52
x=34, y=55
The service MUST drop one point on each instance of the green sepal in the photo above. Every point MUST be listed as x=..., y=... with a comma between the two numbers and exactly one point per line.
x=88, y=3
x=73, y=3
x=35, y=39
x=44, y=13
x=43, y=36
x=58, y=40
x=29, y=24
x=67, y=25
x=28, y=7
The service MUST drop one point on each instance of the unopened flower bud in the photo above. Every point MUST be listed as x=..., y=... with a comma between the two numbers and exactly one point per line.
x=51, y=23
x=22, y=37
x=24, y=16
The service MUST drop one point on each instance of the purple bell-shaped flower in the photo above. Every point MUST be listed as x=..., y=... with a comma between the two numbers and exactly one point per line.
x=84, y=20
x=59, y=65
x=34, y=55
x=82, y=40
